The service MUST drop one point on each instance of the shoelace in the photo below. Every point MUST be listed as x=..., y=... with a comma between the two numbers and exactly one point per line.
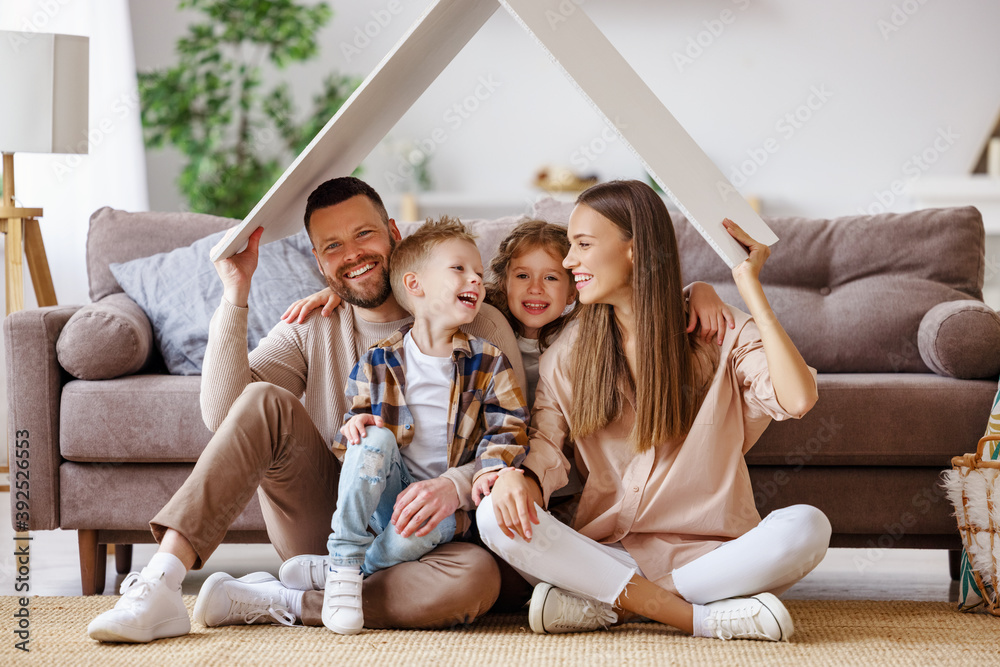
x=591, y=612
x=256, y=607
x=134, y=588
x=734, y=623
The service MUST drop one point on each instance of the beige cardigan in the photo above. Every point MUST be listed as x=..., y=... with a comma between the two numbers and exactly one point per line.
x=675, y=502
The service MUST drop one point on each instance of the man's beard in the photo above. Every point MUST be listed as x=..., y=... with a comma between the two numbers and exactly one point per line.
x=376, y=295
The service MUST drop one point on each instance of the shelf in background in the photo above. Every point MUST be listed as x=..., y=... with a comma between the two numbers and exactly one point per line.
x=977, y=190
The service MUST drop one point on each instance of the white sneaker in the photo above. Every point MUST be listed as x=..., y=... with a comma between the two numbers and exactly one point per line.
x=342, y=610
x=148, y=609
x=304, y=573
x=255, y=598
x=554, y=610
x=758, y=617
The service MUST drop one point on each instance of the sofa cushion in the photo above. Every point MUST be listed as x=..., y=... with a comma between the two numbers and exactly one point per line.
x=180, y=290
x=120, y=236
x=106, y=339
x=961, y=339
x=133, y=419
x=881, y=419
x=851, y=292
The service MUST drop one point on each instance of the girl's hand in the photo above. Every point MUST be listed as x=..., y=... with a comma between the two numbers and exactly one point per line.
x=514, y=499
x=297, y=311
x=748, y=269
x=482, y=487
x=705, y=308
x=354, y=428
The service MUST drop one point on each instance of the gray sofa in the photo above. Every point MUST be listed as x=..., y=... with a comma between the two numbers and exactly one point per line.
x=888, y=309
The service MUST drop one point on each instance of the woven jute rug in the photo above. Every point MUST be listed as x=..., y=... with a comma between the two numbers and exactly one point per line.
x=826, y=633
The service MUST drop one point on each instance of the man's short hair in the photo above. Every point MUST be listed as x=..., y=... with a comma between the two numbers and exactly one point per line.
x=412, y=252
x=338, y=190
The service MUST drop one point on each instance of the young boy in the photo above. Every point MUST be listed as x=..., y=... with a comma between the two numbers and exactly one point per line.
x=426, y=399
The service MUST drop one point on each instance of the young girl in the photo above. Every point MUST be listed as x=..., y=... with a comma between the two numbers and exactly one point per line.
x=658, y=423
x=530, y=286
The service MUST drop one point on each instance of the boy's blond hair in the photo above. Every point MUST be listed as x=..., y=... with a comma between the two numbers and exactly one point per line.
x=412, y=252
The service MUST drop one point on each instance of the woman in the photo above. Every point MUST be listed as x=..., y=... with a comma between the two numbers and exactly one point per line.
x=658, y=423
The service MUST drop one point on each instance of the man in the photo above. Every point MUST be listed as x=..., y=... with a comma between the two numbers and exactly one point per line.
x=267, y=440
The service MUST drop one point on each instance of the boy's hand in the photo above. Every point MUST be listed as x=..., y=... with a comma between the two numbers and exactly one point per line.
x=482, y=487
x=297, y=311
x=354, y=428
x=706, y=308
x=514, y=500
x=423, y=505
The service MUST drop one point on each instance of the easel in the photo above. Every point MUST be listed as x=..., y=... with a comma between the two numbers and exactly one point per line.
x=20, y=227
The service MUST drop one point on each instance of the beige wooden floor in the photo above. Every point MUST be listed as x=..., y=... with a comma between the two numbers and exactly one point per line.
x=845, y=574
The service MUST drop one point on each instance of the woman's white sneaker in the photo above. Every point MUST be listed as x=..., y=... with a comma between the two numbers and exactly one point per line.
x=554, y=610
x=758, y=617
x=252, y=599
x=342, y=610
x=304, y=573
x=148, y=609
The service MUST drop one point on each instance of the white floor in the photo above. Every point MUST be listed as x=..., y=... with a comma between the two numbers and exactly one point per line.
x=845, y=574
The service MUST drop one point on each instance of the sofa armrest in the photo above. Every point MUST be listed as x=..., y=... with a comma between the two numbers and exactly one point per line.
x=34, y=384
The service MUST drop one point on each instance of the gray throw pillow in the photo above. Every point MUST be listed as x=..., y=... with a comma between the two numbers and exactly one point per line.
x=180, y=291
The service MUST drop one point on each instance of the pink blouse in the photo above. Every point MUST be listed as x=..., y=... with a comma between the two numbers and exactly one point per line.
x=675, y=502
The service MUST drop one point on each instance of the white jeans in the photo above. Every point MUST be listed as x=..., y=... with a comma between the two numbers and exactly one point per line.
x=785, y=546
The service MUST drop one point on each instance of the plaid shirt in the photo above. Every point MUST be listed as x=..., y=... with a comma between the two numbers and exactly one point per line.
x=488, y=416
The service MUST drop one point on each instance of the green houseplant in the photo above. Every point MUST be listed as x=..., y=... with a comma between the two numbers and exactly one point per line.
x=236, y=138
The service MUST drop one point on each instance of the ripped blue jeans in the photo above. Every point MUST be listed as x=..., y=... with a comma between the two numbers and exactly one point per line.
x=372, y=475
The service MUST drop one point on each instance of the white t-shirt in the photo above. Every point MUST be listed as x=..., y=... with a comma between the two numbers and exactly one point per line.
x=529, y=355
x=427, y=395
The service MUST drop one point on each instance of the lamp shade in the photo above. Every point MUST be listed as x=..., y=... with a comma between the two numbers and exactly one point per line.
x=45, y=84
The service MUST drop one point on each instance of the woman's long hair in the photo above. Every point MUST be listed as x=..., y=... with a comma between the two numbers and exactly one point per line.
x=669, y=385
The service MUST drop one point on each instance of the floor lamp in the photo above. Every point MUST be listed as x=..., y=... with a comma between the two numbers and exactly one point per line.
x=46, y=79
x=48, y=74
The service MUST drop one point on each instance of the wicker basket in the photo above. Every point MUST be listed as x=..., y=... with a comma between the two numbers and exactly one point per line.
x=973, y=486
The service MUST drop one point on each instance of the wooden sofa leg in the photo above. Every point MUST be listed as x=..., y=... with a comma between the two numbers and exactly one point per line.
x=955, y=563
x=123, y=558
x=93, y=561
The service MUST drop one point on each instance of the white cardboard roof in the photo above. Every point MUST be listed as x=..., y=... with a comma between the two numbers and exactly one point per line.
x=588, y=60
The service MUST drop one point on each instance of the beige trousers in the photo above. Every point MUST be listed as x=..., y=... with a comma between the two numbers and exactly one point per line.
x=268, y=444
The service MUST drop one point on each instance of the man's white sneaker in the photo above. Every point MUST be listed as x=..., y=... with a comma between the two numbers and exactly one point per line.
x=554, y=610
x=255, y=598
x=758, y=617
x=304, y=573
x=147, y=609
x=342, y=610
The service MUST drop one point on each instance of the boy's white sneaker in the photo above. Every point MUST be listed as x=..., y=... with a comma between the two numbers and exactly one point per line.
x=553, y=610
x=252, y=599
x=304, y=573
x=758, y=617
x=342, y=610
x=147, y=609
